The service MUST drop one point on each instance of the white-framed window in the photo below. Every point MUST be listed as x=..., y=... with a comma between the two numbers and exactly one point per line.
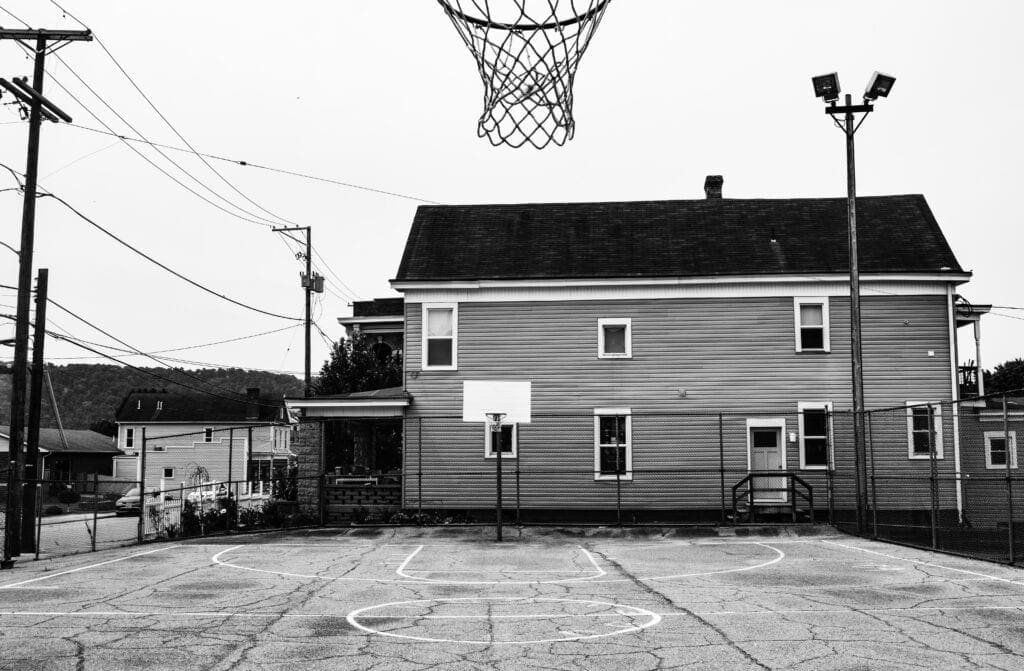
x=613, y=444
x=995, y=450
x=810, y=317
x=159, y=405
x=615, y=338
x=509, y=441
x=129, y=438
x=168, y=473
x=922, y=433
x=208, y=435
x=440, y=336
x=815, y=425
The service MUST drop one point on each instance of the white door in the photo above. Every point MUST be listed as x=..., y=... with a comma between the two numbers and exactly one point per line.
x=766, y=455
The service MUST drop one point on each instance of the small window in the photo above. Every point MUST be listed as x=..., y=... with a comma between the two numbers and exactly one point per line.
x=815, y=435
x=168, y=472
x=811, y=318
x=613, y=457
x=996, y=452
x=159, y=405
x=207, y=435
x=924, y=435
x=440, y=338
x=614, y=338
x=129, y=438
x=509, y=441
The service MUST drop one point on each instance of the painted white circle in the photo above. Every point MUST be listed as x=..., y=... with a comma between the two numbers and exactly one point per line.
x=599, y=619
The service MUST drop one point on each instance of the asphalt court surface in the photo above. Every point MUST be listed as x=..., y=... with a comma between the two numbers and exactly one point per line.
x=454, y=599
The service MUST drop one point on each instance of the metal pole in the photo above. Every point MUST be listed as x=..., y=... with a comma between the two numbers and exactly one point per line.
x=142, y=487
x=497, y=439
x=248, y=461
x=856, y=354
x=1009, y=480
x=12, y=537
x=419, y=467
x=39, y=515
x=934, y=484
x=231, y=454
x=874, y=481
x=28, y=522
x=519, y=458
x=95, y=508
x=721, y=467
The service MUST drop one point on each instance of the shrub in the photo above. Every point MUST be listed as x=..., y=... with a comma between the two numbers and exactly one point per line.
x=69, y=496
x=53, y=510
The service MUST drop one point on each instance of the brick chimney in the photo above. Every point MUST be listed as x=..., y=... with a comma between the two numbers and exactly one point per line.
x=252, y=408
x=713, y=187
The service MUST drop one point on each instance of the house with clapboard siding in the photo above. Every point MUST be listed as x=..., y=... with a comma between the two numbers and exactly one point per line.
x=670, y=354
x=667, y=341
x=192, y=438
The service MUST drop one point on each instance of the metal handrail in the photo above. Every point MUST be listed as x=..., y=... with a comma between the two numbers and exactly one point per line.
x=792, y=480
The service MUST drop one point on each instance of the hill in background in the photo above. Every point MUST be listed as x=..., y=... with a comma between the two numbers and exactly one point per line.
x=91, y=393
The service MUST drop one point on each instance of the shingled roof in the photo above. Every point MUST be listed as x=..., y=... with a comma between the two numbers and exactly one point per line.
x=79, y=441
x=679, y=238
x=141, y=407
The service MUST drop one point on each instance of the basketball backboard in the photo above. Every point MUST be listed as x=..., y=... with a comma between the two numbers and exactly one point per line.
x=480, y=397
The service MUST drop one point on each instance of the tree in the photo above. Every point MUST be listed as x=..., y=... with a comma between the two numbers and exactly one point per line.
x=1007, y=376
x=359, y=363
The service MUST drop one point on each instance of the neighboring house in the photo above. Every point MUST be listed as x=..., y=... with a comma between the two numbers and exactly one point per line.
x=662, y=340
x=86, y=453
x=382, y=319
x=193, y=438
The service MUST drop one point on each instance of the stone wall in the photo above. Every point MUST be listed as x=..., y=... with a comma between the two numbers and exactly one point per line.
x=307, y=444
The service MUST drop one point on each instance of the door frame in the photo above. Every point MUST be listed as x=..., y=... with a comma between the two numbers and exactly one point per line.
x=778, y=423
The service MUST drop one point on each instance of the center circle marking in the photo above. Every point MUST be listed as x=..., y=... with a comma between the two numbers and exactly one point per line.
x=632, y=618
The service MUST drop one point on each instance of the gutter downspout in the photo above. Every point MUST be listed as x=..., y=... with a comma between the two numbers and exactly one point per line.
x=956, y=405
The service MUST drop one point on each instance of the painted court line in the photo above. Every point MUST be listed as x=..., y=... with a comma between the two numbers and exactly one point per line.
x=530, y=616
x=84, y=568
x=926, y=563
x=403, y=572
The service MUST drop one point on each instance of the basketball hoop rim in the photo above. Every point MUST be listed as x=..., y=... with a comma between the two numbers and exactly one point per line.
x=518, y=27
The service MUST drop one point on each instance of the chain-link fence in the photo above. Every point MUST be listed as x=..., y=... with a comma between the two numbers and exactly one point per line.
x=941, y=476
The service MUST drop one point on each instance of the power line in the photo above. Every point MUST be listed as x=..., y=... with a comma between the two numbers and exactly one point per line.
x=258, y=166
x=167, y=121
x=196, y=284
x=200, y=346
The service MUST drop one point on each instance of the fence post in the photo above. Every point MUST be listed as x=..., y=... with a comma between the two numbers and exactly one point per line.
x=39, y=515
x=142, y=487
x=874, y=482
x=323, y=499
x=721, y=468
x=1009, y=480
x=519, y=458
x=419, y=466
x=933, y=467
x=95, y=508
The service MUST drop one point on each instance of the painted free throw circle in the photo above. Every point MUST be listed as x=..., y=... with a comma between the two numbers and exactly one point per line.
x=501, y=621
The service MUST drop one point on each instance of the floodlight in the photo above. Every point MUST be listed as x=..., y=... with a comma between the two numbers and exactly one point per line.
x=826, y=87
x=879, y=86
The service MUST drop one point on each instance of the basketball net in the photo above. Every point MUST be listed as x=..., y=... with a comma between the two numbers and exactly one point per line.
x=527, y=52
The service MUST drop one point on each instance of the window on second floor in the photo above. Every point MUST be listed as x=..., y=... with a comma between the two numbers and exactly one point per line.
x=440, y=337
x=924, y=435
x=208, y=435
x=129, y=438
x=811, y=320
x=614, y=338
x=996, y=451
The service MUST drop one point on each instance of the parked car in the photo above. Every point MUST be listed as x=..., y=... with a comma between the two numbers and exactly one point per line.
x=205, y=495
x=129, y=503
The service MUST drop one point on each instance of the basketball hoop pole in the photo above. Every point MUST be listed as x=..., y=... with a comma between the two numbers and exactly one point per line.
x=494, y=423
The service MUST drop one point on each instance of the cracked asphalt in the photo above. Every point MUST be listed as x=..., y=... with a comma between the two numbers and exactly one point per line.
x=421, y=599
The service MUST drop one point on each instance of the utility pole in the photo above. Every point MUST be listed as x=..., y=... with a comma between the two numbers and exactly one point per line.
x=40, y=107
x=35, y=402
x=311, y=283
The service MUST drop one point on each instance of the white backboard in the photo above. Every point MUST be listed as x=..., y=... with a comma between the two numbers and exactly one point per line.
x=480, y=397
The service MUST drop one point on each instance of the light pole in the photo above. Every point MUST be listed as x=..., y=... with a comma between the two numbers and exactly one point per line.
x=826, y=87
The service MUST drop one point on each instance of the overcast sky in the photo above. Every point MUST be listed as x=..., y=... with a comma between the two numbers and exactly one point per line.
x=385, y=95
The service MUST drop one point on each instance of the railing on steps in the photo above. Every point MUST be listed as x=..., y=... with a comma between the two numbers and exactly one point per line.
x=748, y=495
